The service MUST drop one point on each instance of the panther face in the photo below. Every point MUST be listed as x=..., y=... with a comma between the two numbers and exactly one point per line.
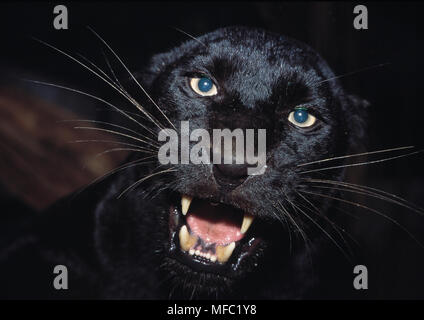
x=220, y=227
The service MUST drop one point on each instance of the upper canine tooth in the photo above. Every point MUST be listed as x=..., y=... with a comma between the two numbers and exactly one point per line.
x=247, y=221
x=223, y=253
x=186, y=240
x=185, y=203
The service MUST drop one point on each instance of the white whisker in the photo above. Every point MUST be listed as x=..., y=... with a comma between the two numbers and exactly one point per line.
x=370, y=209
x=88, y=95
x=131, y=75
x=362, y=163
x=112, y=125
x=190, y=36
x=355, y=155
x=116, y=133
x=135, y=184
x=129, y=98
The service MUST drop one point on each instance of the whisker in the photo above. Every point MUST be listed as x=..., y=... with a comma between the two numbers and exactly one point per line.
x=116, y=133
x=363, y=163
x=130, y=73
x=338, y=229
x=365, y=191
x=138, y=115
x=105, y=141
x=355, y=155
x=321, y=228
x=370, y=209
x=163, y=188
x=129, y=98
x=100, y=70
x=111, y=70
x=135, y=184
x=351, y=191
x=353, y=72
x=335, y=226
x=117, y=84
x=112, y=125
x=347, y=213
x=302, y=232
x=125, y=166
x=88, y=95
x=190, y=36
x=113, y=171
x=284, y=221
x=308, y=202
x=293, y=221
x=124, y=149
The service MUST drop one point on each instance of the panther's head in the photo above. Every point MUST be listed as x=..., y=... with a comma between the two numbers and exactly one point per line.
x=219, y=226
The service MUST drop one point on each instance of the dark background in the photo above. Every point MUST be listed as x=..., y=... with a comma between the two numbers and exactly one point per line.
x=138, y=30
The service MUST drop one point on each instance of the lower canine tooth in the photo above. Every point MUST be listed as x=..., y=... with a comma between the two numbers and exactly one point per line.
x=185, y=203
x=223, y=253
x=186, y=240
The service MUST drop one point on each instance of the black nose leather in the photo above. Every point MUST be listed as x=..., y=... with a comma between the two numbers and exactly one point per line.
x=233, y=171
x=230, y=175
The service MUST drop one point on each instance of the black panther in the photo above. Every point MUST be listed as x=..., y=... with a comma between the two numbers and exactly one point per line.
x=154, y=231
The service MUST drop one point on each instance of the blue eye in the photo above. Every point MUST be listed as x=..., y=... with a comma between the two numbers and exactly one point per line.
x=301, y=115
x=205, y=84
x=301, y=118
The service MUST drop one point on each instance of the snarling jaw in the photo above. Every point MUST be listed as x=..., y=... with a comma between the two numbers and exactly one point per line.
x=211, y=236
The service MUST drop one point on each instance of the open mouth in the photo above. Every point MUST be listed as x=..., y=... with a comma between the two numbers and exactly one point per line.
x=212, y=235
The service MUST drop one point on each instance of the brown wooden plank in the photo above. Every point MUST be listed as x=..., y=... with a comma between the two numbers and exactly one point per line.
x=38, y=161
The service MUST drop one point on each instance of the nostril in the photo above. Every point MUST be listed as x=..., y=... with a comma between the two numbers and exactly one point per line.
x=230, y=175
x=233, y=170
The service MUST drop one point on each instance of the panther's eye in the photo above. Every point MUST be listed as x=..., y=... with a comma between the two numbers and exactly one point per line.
x=301, y=118
x=203, y=86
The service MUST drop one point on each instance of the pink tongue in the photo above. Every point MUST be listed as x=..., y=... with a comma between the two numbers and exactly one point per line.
x=219, y=224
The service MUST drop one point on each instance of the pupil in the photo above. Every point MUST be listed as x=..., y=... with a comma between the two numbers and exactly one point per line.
x=301, y=116
x=205, y=84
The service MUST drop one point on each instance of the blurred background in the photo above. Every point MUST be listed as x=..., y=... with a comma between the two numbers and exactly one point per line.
x=40, y=161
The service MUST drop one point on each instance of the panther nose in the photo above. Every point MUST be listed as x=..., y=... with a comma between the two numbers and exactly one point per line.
x=228, y=173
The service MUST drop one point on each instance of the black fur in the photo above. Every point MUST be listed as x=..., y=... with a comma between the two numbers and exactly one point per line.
x=120, y=248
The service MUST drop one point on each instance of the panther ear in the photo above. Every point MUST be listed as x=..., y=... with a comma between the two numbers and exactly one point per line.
x=357, y=109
